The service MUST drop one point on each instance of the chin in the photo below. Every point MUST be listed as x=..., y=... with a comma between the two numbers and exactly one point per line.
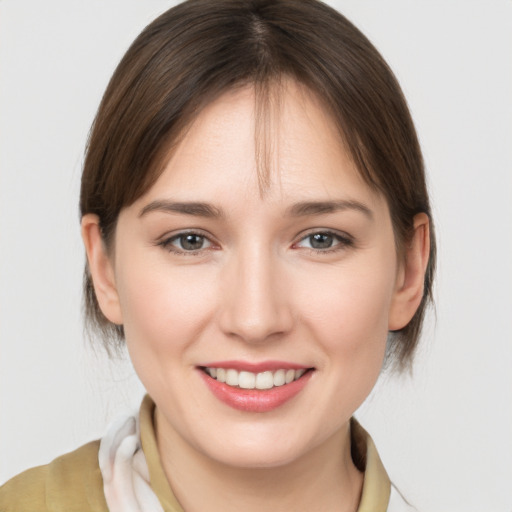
x=260, y=450
x=245, y=457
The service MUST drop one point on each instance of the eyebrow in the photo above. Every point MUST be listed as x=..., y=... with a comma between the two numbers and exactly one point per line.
x=196, y=209
x=306, y=208
x=301, y=209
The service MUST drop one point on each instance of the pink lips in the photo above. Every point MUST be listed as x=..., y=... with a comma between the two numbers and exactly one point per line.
x=255, y=400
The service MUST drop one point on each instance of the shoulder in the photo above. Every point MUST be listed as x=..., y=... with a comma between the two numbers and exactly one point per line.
x=70, y=483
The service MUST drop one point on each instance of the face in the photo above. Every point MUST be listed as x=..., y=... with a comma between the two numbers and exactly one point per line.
x=287, y=289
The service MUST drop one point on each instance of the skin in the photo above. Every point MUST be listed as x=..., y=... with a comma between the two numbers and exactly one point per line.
x=256, y=290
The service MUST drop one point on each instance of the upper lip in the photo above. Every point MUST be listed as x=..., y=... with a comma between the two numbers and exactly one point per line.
x=255, y=367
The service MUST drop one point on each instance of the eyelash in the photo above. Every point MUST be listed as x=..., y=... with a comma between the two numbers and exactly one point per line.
x=167, y=243
x=344, y=241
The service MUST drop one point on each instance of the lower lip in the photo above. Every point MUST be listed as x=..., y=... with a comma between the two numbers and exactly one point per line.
x=255, y=400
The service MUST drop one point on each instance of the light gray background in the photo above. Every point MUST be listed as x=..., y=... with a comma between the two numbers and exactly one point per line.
x=446, y=434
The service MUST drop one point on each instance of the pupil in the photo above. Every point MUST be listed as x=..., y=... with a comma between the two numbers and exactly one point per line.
x=191, y=242
x=321, y=241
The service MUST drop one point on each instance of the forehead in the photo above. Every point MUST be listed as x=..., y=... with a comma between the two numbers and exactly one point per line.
x=282, y=144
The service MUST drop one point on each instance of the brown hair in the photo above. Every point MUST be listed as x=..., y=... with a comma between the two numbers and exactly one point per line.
x=201, y=48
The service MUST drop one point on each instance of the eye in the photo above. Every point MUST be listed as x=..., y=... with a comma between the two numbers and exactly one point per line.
x=321, y=240
x=325, y=241
x=186, y=242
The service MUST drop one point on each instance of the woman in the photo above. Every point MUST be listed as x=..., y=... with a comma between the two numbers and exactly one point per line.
x=258, y=233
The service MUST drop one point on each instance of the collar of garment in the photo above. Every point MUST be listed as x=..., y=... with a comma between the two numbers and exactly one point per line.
x=134, y=477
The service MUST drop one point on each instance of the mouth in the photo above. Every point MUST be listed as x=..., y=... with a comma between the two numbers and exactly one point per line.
x=255, y=391
x=251, y=380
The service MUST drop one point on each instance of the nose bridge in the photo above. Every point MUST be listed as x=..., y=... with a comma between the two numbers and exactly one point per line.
x=254, y=305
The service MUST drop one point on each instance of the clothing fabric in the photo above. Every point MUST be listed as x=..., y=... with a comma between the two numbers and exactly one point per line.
x=123, y=473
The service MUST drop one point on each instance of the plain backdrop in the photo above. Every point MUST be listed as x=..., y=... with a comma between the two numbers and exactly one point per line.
x=445, y=434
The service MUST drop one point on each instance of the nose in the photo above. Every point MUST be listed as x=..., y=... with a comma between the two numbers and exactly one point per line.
x=255, y=306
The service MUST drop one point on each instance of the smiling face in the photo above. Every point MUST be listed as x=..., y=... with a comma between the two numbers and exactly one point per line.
x=292, y=290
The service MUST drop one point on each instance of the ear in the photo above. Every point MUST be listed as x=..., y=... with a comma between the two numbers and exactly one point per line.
x=411, y=275
x=101, y=269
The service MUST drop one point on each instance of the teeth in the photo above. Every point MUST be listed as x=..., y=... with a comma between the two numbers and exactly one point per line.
x=299, y=374
x=264, y=380
x=250, y=380
x=232, y=377
x=221, y=374
x=246, y=380
x=279, y=378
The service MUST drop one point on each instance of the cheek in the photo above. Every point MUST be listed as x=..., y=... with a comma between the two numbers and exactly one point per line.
x=350, y=307
x=163, y=307
x=355, y=328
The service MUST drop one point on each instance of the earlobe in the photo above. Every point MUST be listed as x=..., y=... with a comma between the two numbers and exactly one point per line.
x=411, y=275
x=101, y=269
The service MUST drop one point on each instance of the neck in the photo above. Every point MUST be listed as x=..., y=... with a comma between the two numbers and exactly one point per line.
x=316, y=481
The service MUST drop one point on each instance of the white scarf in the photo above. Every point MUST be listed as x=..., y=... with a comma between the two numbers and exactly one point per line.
x=125, y=470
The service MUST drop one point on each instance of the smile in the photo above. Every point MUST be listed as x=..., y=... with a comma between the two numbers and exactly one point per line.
x=251, y=380
x=262, y=390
